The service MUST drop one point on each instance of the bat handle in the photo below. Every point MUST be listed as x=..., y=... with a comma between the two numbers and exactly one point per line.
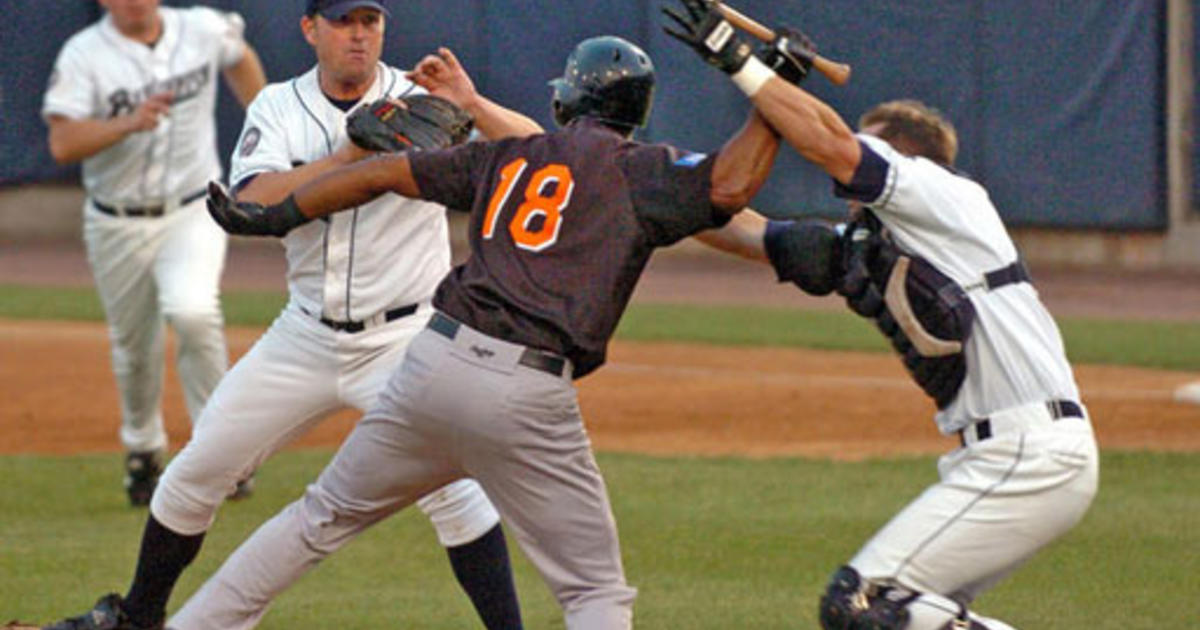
x=838, y=73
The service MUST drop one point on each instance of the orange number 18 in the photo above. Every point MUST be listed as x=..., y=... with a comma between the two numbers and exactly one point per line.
x=548, y=193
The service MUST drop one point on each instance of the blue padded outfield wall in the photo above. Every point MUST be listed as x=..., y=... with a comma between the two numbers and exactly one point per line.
x=1058, y=104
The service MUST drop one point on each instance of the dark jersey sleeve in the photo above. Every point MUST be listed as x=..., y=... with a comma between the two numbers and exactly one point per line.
x=445, y=176
x=869, y=179
x=671, y=191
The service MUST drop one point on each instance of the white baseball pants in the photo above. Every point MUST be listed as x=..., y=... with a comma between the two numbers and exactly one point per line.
x=149, y=270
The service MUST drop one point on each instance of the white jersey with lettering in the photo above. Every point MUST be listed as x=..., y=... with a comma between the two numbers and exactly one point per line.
x=1028, y=465
x=360, y=286
x=102, y=74
x=155, y=254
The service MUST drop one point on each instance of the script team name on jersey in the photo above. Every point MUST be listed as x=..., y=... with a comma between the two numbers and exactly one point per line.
x=184, y=86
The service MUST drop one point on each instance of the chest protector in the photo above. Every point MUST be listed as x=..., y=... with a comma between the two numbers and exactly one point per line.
x=926, y=315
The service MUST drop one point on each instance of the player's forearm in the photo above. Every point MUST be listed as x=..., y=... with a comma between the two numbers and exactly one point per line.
x=246, y=77
x=742, y=236
x=810, y=126
x=743, y=164
x=271, y=188
x=495, y=121
x=73, y=140
x=357, y=184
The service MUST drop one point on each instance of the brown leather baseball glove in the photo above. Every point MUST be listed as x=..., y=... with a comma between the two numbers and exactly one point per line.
x=420, y=121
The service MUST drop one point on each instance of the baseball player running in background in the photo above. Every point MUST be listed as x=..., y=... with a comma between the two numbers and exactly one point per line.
x=560, y=229
x=360, y=286
x=925, y=241
x=133, y=96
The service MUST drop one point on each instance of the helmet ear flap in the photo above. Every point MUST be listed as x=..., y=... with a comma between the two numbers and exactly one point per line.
x=565, y=101
x=560, y=113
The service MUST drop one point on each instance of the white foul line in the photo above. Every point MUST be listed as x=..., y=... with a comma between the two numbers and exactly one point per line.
x=802, y=379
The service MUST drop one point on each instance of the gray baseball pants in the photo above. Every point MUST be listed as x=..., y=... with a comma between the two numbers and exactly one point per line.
x=457, y=407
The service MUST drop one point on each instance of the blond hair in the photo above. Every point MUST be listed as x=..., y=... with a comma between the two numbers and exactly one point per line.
x=914, y=129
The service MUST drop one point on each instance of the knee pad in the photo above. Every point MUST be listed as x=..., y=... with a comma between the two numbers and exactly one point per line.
x=460, y=512
x=180, y=508
x=853, y=603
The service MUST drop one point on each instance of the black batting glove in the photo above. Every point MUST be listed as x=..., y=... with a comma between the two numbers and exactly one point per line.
x=252, y=219
x=706, y=31
x=790, y=55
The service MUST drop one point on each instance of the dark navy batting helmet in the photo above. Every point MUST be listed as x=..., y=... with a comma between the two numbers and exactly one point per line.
x=607, y=79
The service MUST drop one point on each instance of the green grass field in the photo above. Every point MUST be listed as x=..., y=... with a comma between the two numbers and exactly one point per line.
x=726, y=543
x=710, y=542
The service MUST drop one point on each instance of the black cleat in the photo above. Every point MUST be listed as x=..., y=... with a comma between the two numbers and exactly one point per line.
x=107, y=614
x=142, y=469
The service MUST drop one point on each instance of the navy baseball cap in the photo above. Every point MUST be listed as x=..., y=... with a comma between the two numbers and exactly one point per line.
x=337, y=9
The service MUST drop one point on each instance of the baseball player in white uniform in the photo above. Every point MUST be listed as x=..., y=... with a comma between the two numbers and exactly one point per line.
x=360, y=286
x=1027, y=469
x=133, y=97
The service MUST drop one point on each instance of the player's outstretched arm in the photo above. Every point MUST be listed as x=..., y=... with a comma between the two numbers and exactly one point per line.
x=246, y=77
x=336, y=190
x=273, y=187
x=807, y=253
x=810, y=126
x=357, y=184
x=742, y=166
x=441, y=74
x=742, y=236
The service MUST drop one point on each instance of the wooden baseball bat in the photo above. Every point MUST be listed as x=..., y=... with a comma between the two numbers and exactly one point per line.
x=837, y=73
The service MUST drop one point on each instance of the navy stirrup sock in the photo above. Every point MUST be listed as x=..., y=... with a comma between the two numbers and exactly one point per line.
x=483, y=569
x=163, y=557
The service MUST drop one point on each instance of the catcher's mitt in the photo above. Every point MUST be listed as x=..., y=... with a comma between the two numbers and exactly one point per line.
x=420, y=121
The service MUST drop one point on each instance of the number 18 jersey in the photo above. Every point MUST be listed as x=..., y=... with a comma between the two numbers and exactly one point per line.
x=561, y=227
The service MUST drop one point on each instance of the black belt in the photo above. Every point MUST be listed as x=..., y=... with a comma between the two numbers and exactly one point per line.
x=144, y=211
x=354, y=326
x=1012, y=274
x=1058, y=409
x=530, y=358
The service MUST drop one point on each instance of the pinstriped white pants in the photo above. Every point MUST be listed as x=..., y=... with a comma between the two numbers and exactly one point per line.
x=998, y=502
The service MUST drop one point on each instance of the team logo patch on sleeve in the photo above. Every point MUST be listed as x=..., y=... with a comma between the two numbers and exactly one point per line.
x=250, y=141
x=690, y=160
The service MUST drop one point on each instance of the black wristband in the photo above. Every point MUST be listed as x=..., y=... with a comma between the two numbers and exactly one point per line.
x=773, y=243
x=290, y=209
x=286, y=216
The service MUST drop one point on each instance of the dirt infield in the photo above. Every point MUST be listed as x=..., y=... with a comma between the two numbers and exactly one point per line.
x=59, y=395
x=651, y=398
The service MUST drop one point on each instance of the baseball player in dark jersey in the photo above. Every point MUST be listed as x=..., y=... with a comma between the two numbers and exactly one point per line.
x=561, y=227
